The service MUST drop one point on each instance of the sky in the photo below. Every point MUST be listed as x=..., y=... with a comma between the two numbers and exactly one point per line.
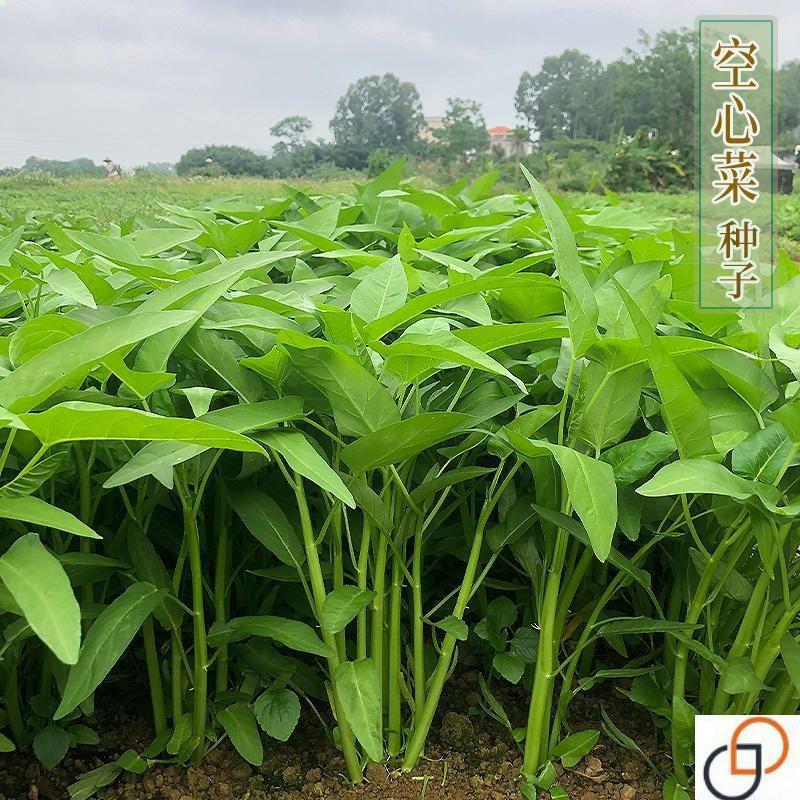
x=146, y=80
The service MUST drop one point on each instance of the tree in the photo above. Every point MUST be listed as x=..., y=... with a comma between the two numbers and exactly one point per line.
x=292, y=132
x=558, y=100
x=377, y=111
x=228, y=158
x=661, y=88
x=788, y=91
x=464, y=133
x=61, y=169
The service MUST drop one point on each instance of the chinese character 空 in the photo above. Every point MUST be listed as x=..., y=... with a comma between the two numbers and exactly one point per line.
x=741, y=235
x=724, y=122
x=735, y=57
x=737, y=180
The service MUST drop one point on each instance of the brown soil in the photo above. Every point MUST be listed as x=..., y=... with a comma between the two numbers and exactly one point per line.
x=470, y=757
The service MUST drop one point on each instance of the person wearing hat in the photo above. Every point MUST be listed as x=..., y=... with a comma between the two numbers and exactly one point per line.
x=113, y=171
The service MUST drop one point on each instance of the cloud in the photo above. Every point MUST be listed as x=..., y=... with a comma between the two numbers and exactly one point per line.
x=146, y=80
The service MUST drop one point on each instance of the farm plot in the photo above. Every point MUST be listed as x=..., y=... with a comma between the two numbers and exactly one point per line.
x=331, y=452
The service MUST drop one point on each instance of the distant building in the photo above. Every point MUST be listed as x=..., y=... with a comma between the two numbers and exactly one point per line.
x=772, y=170
x=508, y=141
x=431, y=124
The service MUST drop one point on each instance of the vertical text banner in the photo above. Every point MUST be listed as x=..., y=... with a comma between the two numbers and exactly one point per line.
x=735, y=161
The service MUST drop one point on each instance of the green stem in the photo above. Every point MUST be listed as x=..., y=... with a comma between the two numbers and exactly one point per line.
x=154, y=677
x=378, y=615
x=85, y=495
x=13, y=710
x=418, y=625
x=395, y=646
x=200, y=667
x=436, y=685
x=176, y=678
x=221, y=582
x=537, y=739
x=682, y=650
x=319, y=594
x=363, y=577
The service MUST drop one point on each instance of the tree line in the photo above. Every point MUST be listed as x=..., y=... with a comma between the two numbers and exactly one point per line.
x=626, y=123
x=631, y=114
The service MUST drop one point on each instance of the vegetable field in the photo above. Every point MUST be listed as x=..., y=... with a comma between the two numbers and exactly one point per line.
x=313, y=458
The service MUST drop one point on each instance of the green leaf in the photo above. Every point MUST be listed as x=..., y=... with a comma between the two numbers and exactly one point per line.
x=684, y=412
x=696, y=476
x=455, y=627
x=50, y=745
x=6, y=745
x=644, y=625
x=510, y=665
x=36, y=512
x=303, y=458
x=419, y=305
x=342, y=606
x=572, y=749
x=41, y=589
x=383, y=290
x=402, y=440
x=106, y=641
x=289, y=632
x=67, y=361
x=240, y=725
x=158, y=458
x=278, y=712
x=674, y=791
x=265, y=519
x=582, y=311
x=591, y=486
x=78, y=421
x=790, y=653
x=359, y=402
x=739, y=677
x=358, y=689
x=636, y=458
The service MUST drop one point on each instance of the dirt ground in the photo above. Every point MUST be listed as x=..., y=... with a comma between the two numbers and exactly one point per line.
x=470, y=757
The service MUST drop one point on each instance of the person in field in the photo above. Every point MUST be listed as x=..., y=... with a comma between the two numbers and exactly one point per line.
x=113, y=170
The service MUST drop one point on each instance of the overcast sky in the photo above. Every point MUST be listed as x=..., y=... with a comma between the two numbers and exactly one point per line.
x=145, y=80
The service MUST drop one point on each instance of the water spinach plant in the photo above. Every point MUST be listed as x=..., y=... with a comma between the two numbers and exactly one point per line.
x=323, y=451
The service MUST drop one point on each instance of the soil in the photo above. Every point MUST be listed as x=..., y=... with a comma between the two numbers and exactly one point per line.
x=470, y=757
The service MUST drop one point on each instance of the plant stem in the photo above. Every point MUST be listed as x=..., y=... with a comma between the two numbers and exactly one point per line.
x=395, y=644
x=417, y=624
x=379, y=587
x=200, y=670
x=154, y=677
x=363, y=576
x=319, y=593
x=13, y=710
x=682, y=650
x=436, y=685
x=221, y=581
x=537, y=739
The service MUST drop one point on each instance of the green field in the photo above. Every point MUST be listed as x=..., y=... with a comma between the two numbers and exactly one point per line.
x=103, y=202
x=323, y=452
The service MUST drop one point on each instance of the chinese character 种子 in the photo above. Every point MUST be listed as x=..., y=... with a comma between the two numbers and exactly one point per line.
x=741, y=235
x=724, y=122
x=735, y=57
x=737, y=179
